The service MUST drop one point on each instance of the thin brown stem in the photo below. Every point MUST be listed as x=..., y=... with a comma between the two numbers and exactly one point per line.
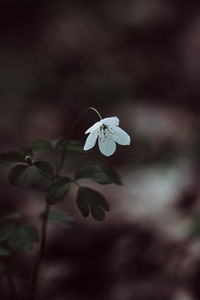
x=11, y=283
x=34, y=282
x=69, y=134
x=59, y=166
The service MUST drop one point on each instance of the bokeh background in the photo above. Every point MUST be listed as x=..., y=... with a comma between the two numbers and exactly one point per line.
x=138, y=60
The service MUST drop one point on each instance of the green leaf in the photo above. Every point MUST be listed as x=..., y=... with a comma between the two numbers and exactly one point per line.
x=18, y=175
x=11, y=157
x=70, y=145
x=91, y=201
x=101, y=174
x=45, y=169
x=57, y=190
x=17, y=215
x=25, y=238
x=7, y=232
x=61, y=218
x=40, y=145
x=194, y=230
x=4, y=251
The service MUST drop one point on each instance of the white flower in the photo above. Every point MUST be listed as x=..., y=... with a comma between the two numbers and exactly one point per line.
x=108, y=134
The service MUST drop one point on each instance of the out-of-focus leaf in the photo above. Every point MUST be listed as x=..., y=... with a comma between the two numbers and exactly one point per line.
x=101, y=174
x=17, y=215
x=11, y=157
x=194, y=231
x=91, y=201
x=40, y=145
x=45, y=169
x=24, y=238
x=54, y=143
x=4, y=251
x=59, y=217
x=7, y=232
x=70, y=145
x=57, y=190
x=18, y=174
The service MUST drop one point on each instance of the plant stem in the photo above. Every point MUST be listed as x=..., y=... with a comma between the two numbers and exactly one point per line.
x=69, y=134
x=59, y=166
x=36, y=270
x=11, y=283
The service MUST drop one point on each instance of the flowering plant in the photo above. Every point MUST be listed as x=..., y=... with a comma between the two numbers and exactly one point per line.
x=18, y=235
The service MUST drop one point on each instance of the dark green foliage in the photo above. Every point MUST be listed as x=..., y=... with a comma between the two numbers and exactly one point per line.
x=28, y=155
x=11, y=157
x=101, y=174
x=17, y=237
x=40, y=145
x=7, y=232
x=18, y=174
x=24, y=238
x=45, y=169
x=17, y=215
x=194, y=231
x=58, y=217
x=91, y=201
x=28, y=152
x=4, y=251
x=57, y=190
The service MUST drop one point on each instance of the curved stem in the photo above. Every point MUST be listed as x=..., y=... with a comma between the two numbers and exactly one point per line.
x=59, y=166
x=36, y=270
x=74, y=124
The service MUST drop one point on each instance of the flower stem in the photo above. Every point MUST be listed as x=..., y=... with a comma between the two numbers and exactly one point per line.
x=11, y=283
x=34, y=282
x=59, y=166
x=69, y=134
x=92, y=108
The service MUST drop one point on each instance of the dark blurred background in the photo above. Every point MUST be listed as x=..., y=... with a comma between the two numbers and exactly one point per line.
x=138, y=60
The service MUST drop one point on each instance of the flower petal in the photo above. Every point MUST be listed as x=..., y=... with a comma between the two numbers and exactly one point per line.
x=91, y=140
x=111, y=121
x=120, y=136
x=107, y=146
x=94, y=127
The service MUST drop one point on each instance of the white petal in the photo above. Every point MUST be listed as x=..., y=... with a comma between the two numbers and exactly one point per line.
x=91, y=140
x=111, y=121
x=107, y=146
x=120, y=136
x=94, y=127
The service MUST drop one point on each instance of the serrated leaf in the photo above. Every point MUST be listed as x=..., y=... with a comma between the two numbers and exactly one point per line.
x=61, y=218
x=40, y=145
x=7, y=232
x=4, y=251
x=11, y=157
x=91, y=201
x=57, y=190
x=101, y=174
x=18, y=174
x=45, y=169
x=24, y=238
x=70, y=145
